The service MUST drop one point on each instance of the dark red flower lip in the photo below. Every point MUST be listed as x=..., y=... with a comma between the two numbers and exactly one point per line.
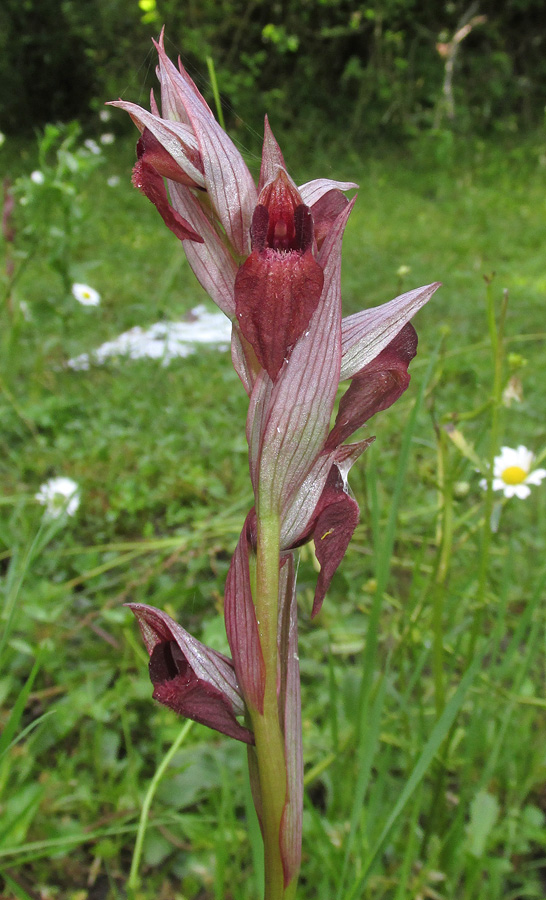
x=279, y=286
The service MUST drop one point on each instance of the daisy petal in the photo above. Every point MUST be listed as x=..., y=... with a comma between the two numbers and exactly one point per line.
x=520, y=490
x=536, y=477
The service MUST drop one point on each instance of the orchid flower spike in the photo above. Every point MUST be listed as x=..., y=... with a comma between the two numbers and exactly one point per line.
x=269, y=255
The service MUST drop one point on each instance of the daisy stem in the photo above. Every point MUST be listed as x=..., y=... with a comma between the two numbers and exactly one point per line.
x=496, y=333
x=267, y=727
x=444, y=542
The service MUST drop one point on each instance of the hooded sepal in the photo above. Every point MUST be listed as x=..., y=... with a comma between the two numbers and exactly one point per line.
x=191, y=679
x=326, y=201
x=333, y=517
x=376, y=387
x=300, y=510
x=278, y=288
x=168, y=145
x=240, y=617
x=154, y=153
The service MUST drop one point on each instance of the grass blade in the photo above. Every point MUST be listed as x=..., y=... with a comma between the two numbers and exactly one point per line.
x=8, y=733
x=422, y=765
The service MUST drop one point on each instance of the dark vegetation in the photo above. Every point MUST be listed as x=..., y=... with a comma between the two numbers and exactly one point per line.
x=369, y=68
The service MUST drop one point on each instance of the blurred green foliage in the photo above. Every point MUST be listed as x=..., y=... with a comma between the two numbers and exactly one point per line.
x=368, y=67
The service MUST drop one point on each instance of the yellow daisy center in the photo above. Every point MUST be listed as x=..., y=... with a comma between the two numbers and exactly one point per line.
x=514, y=475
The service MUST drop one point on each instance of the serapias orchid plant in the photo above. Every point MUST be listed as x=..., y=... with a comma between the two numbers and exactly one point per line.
x=270, y=258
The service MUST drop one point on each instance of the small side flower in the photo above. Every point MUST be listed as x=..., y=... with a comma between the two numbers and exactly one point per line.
x=59, y=495
x=85, y=295
x=513, y=472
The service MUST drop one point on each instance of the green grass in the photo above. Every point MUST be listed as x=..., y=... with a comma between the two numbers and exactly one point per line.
x=422, y=678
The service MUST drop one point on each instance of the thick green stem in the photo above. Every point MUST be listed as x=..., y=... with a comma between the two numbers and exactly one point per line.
x=267, y=727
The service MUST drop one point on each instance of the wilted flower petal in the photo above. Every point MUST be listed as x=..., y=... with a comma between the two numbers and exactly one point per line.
x=148, y=180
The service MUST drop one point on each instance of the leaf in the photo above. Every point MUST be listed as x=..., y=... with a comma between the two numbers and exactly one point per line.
x=8, y=734
x=18, y=891
x=290, y=713
x=484, y=812
x=241, y=624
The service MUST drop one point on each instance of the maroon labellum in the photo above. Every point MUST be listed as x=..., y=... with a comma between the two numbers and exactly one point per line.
x=278, y=288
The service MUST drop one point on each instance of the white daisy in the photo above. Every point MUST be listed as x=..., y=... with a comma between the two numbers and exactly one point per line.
x=85, y=295
x=59, y=495
x=113, y=181
x=37, y=177
x=107, y=138
x=513, y=472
